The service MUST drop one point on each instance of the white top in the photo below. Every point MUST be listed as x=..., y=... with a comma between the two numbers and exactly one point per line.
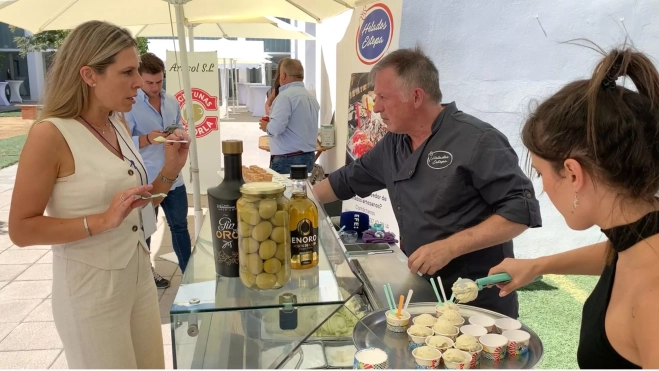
x=99, y=175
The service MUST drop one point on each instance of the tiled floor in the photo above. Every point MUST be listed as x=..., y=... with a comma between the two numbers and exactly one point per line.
x=28, y=338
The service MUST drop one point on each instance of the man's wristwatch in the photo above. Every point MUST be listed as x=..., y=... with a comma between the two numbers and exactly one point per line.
x=167, y=180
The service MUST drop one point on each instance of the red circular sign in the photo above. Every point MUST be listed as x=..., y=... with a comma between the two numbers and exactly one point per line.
x=208, y=103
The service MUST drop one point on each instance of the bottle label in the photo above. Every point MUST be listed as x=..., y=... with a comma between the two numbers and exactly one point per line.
x=304, y=241
x=224, y=220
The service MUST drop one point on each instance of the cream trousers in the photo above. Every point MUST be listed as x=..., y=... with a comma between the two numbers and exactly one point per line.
x=108, y=318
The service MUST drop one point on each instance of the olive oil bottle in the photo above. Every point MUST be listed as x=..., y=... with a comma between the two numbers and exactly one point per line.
x=222, y=207
x=303, y=222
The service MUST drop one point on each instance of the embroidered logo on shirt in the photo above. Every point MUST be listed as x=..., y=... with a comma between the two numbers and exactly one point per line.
x=439, y=159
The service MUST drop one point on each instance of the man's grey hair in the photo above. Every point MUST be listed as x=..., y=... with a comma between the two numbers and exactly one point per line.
x=414, y=69
x=293, y=68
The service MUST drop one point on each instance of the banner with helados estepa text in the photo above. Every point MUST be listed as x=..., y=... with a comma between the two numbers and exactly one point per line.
x=372, y=33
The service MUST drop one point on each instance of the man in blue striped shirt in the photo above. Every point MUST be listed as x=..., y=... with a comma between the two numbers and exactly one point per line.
x=293, y=125
x=153, y=112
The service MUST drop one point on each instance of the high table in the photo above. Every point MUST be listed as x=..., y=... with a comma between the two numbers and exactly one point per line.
x=257, y=94
x=264, y=144
x=15, y=88
x=3, y=97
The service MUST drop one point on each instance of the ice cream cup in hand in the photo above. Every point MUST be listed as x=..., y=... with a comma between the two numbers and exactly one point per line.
x=494, y=346
x=417, y=335
x=483, y=321
x=427, y=358
x=371, y=358
x=473, y=330
x=505, y=324
x=456, y=359
x=435, y=340
x=518, y=342
x=396, y=324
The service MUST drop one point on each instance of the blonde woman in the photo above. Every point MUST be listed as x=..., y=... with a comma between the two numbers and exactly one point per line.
x=78, y=188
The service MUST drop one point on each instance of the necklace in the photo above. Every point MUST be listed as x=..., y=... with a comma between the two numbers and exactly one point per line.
x=103, y=127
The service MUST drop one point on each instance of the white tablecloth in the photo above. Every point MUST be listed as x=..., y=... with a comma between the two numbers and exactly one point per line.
x=257, y=98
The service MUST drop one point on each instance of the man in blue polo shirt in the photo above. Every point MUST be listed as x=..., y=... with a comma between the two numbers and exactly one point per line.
x=153, y=112
x=293, y=125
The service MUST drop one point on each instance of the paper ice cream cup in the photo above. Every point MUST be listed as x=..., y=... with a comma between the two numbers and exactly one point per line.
x=494, y=346
x=458, y=366
x=417, y=341
x=450, y=342
x=371, y=358
x=440, y=309
x=473, y=330
x=395, y=324
x=475, y=356
x=414, y=321
x=505, y=324
x=427, y=363
x=518, y=342
x=451, y=336
x=457, y=324
x=483, y=321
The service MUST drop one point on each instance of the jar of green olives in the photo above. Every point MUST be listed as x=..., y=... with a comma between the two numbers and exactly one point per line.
x=264, y=244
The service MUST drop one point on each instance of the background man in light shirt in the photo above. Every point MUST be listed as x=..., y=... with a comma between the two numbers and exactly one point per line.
x=293, y=125
x=153, y=112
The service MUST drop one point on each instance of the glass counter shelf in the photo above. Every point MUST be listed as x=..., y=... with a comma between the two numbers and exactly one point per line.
x=218, y=323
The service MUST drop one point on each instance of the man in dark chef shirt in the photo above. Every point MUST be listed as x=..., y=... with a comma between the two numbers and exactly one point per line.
x=454, y=182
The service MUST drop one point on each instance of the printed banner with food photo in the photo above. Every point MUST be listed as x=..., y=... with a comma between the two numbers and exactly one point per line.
x=365, y=127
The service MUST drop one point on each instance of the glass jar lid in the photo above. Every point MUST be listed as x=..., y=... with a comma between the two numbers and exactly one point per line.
x=262, y=188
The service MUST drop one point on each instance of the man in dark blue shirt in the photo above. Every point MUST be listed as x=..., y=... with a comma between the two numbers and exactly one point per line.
x=454, y=182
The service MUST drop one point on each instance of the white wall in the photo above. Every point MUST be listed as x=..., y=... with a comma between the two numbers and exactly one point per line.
x=493, y=59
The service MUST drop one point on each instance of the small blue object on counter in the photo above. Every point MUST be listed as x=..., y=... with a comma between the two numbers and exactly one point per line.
x=355, y=221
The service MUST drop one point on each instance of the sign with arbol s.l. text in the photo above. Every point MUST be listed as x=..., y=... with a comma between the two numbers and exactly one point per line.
x=205, y=89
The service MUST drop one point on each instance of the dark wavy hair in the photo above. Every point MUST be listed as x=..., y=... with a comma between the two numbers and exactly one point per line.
x=612, y=131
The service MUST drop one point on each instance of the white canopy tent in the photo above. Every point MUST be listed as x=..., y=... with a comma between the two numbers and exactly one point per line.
x=262, y=27
x=41, y=15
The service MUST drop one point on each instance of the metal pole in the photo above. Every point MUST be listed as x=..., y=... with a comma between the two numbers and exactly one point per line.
x=191, y=37
x=194, y=160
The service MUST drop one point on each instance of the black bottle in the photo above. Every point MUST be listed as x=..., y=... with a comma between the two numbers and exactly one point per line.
x=222, y=206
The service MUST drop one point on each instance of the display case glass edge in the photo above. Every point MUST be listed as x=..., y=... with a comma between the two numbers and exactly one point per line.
x=218, y=323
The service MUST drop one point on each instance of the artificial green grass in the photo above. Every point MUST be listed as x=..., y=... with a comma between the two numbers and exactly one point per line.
x=10, y=150
x=10, y=114
x=555, y=316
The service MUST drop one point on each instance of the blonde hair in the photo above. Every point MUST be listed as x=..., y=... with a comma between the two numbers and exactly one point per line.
x=94, y=44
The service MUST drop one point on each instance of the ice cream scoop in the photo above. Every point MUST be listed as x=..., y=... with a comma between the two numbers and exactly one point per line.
x=466, y=290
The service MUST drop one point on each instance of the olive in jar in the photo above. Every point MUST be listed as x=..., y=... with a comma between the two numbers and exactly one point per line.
x=264, y=243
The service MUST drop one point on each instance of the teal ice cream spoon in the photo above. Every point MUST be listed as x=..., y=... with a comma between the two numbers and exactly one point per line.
x=467, y=290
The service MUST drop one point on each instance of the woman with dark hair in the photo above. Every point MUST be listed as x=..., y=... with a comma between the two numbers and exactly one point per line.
x=596, y=146
x=275, y=89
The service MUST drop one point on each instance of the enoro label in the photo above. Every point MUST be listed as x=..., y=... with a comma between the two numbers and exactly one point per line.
x=203, y=104
x=374, y=34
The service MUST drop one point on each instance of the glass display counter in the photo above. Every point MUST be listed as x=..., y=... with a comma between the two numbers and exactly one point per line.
x=218, y=323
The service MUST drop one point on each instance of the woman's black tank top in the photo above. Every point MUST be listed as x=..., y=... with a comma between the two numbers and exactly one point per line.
x=595, y=350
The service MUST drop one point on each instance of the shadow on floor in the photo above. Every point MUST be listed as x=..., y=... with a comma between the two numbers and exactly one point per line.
x=538, y=286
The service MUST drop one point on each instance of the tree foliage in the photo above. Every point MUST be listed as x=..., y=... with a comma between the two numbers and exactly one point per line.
x=52, y=40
